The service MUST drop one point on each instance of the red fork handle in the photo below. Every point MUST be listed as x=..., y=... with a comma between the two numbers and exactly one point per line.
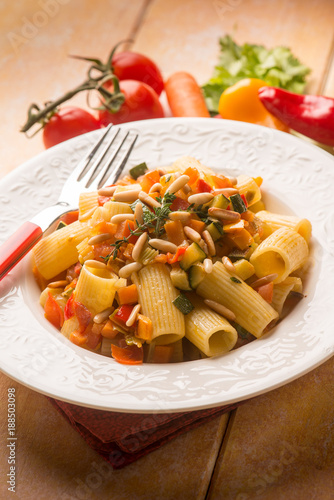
x=18, y=245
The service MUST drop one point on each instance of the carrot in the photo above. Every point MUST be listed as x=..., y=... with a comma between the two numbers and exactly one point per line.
x=127, y=295
x=197, y=225
x=184, y=96
x=144, y=328
x=109, y=331
x=174, y=231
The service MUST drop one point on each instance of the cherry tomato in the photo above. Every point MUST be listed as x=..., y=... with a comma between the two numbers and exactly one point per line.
x=132, y=66
x=141, y=103
x=68, y=122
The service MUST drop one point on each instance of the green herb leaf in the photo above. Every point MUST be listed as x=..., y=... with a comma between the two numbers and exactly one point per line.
x=277, y=67
x=234, y=279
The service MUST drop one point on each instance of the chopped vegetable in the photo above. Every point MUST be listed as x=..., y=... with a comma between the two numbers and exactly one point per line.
x=138, y=170
x=193, y=254
x=174, y=258
x=184, y=96
x=196, y=274
x=127, y=295
x=129, y=355
x=238, y=203
x=180, y=279
x=183, y=304
x=144, y=327
x=277, y=67
x=53, y=312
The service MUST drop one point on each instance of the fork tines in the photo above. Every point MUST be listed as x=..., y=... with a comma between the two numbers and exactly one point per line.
x=97, y=172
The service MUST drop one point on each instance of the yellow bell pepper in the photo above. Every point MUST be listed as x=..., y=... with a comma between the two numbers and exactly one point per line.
x=241, y=102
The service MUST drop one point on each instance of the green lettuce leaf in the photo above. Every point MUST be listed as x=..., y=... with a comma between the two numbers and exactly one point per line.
x=277, y=67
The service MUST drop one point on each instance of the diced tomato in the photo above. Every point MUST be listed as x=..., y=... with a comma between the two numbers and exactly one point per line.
x=83, y=315
x=173, y=258
x=179, y=204
x=74, y=308
x=201, y=186
x=53, y=312
x=69, y=217
x=69, y=308
x=129, y=355
x=102, y=200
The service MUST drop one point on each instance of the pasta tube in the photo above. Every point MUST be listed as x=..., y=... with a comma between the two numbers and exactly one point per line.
x=251, y=311
x=282, y=252
x=209, y=331
x=156, y=294
x=58, y=251
x=276, y=221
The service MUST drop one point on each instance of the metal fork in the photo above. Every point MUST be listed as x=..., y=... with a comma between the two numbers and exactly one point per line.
x=90, y=174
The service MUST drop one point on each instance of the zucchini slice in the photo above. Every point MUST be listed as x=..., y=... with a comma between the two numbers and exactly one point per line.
x=183, y=304
x=220, y=201
x=180, y=279
x=216, y=230
x=138, y=170
x=193, y=254
x=196, y=274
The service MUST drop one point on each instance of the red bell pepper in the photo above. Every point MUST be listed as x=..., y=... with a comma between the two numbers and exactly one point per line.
x=129, y=355
x=310, y=115
x=122, y=314
x=53, y=312
x=173, y=258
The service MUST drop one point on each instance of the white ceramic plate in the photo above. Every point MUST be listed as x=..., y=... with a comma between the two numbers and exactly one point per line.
x=298, y=178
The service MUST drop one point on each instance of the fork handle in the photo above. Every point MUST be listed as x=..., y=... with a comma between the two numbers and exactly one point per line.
x=18, y=245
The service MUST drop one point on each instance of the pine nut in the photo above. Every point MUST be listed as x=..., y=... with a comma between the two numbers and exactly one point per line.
x=186, y=189
x=139, y=245
x=127, y=270
x=209, y=241
x=95, y=264
x=164, y=246
x=145, y=198
x=226, y=191
x=220, y=309
x=103, y=315
x=225, y=215
x=58, y=284
x=107, y=191
x=228, y=264
x=118, y=218
x=264, y=281
x=200, y=198
x=98, y=238
x=157, y=187
x=207, y=265
x=204, y=246
x=138, y=215
x=178, y=184
x=182, y=216
x=87, y=214
x=192, y=234
x=133, y=316
x=128, y=196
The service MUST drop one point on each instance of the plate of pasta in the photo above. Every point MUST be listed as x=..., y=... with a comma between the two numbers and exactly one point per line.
x=199, y=278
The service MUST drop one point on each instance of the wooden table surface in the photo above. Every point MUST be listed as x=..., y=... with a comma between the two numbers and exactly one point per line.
x=281, y=444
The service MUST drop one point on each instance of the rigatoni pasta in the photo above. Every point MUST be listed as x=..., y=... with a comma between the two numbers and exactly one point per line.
x=171, y=258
